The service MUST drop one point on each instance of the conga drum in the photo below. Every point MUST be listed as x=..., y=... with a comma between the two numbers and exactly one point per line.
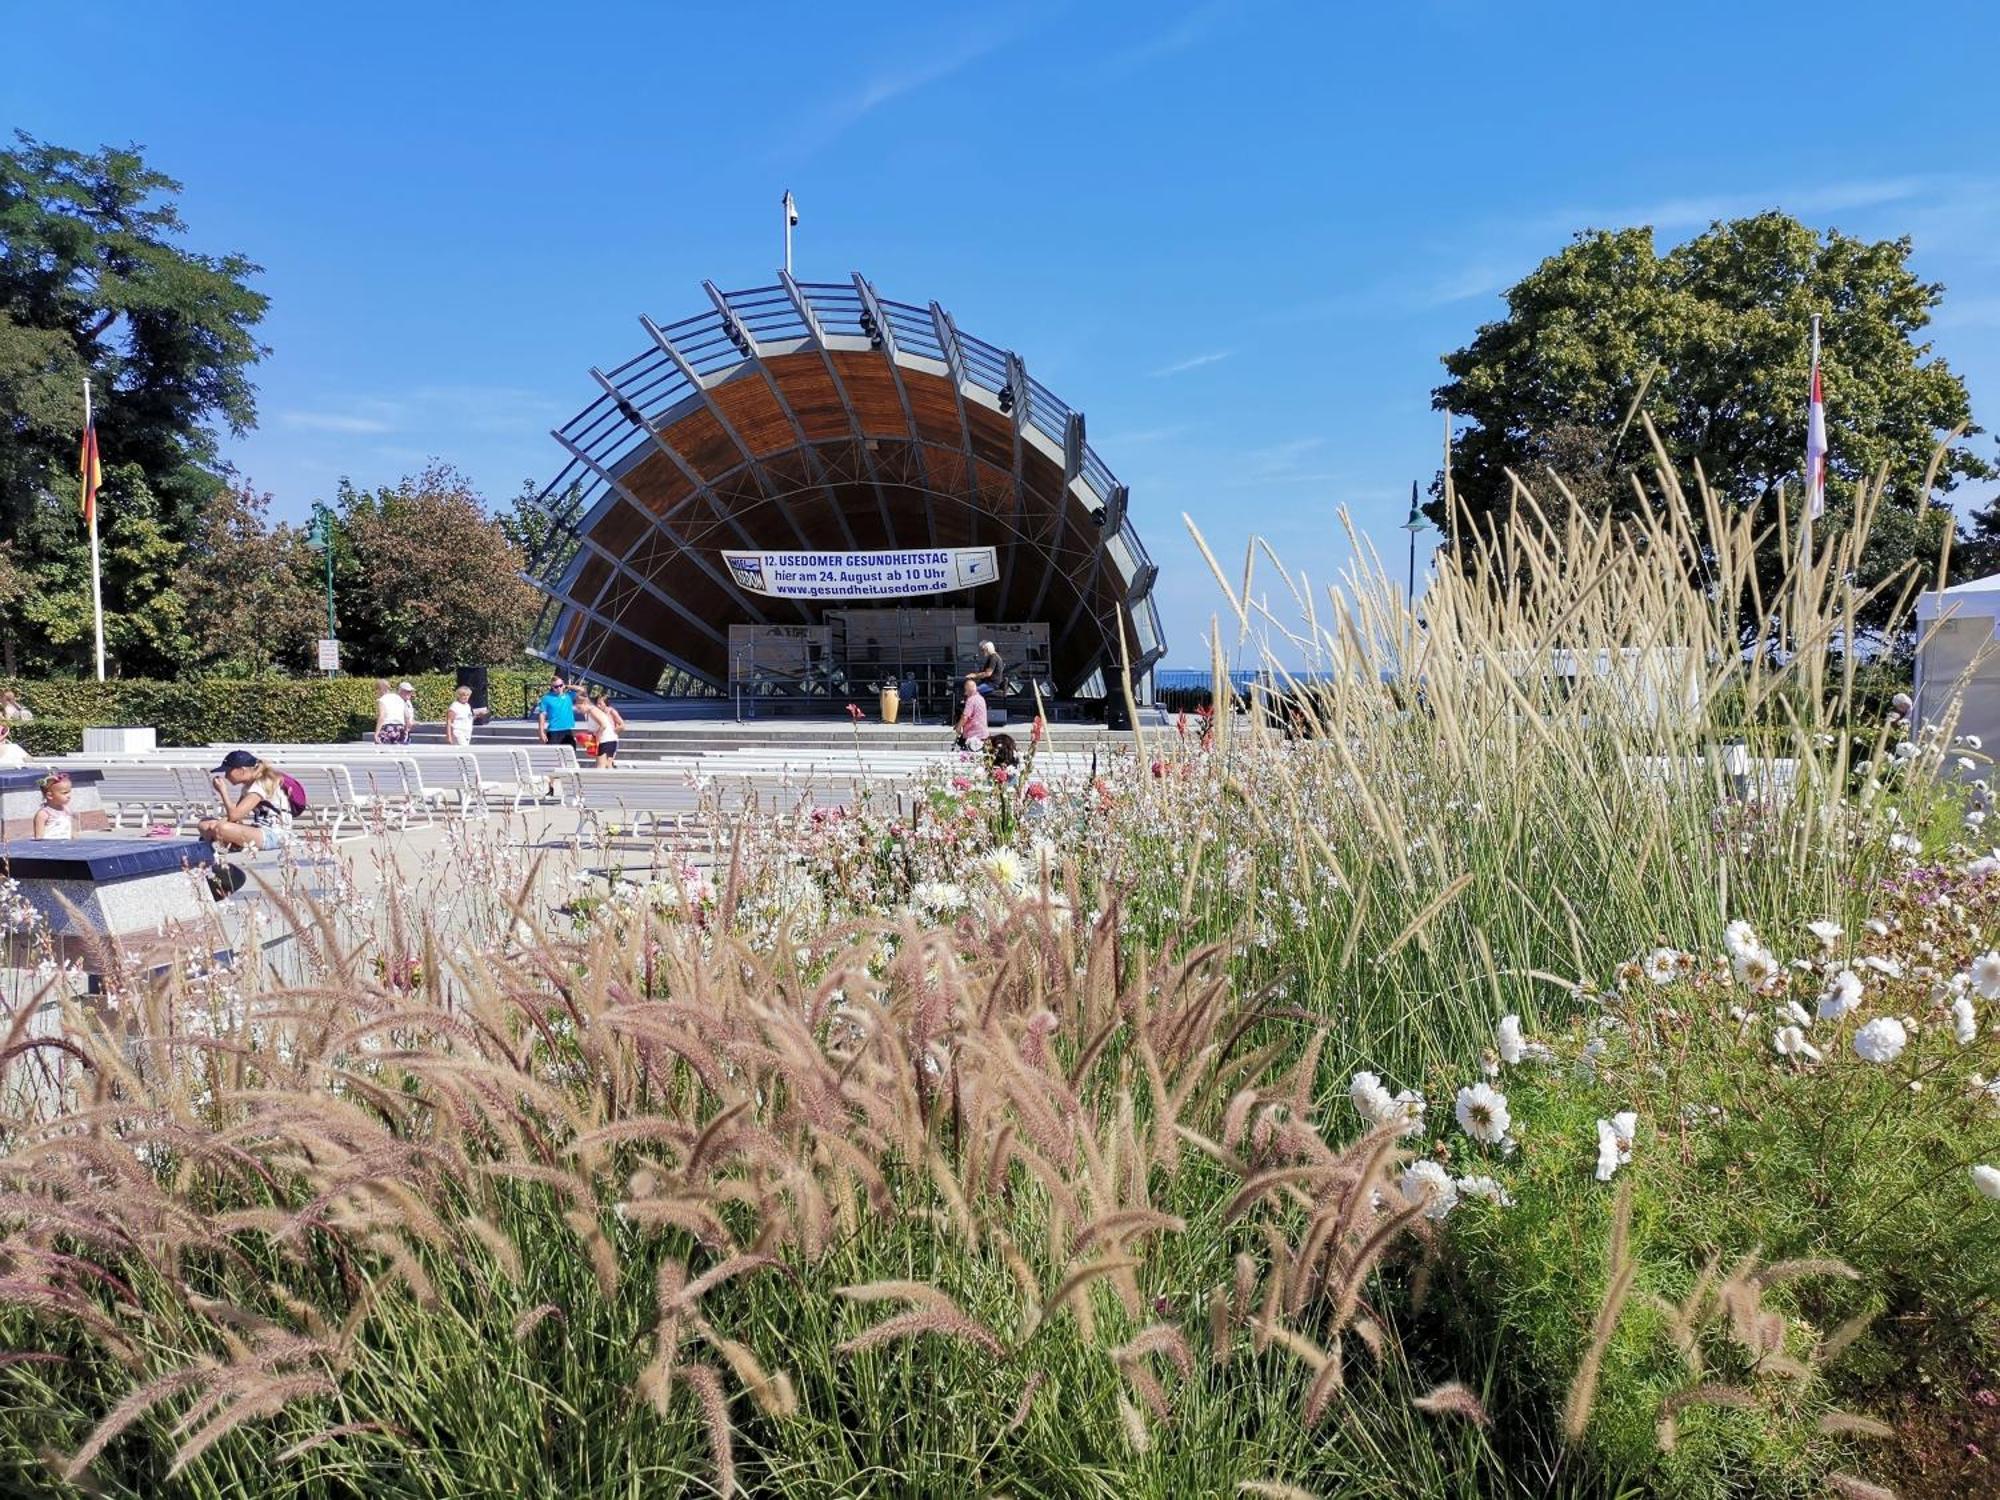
x=892, y=703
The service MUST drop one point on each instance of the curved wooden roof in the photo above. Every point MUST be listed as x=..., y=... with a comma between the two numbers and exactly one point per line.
x=822, y=417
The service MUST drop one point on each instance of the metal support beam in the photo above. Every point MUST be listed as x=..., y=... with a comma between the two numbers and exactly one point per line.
x=1017, y=388
x=577, y=606
x=659, y=524
x=741, y=332
x=622, y=567
x=721, y=417
x=700, y=482
x=802, y=305
x=954, y=361
x=886, y=337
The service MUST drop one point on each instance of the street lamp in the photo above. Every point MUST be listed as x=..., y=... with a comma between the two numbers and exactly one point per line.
x=1415, y=524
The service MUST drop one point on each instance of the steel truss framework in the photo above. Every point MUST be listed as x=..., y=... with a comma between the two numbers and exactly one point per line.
x=822, y=416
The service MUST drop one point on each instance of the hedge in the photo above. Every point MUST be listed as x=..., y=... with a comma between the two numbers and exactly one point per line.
x=274, y=709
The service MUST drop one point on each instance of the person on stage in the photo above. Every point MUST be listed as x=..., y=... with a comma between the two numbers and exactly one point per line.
x=990, y=669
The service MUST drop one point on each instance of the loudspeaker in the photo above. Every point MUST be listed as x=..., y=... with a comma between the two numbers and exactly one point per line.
x=1115, y=716
x=474, y=678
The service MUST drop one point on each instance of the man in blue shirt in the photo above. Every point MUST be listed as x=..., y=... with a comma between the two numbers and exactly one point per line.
x=556, y=715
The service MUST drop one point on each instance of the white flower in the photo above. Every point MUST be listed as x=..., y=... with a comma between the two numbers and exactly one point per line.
x=1843, y=993
x=1006, y=870
x=938, y=896
x=1827, y=932
x=1973, y=742
x=1375, y=1104
x=1485, y=1187
x=1793, y=1011
x=1409, y=1109
x=1614, y=1142
x=1987, y=1180
x=1739, y=938
x=1428, y=1183
x=1507, y=1038
x=1885, y=966
x=1755, y=967
x=1482, y=1113
x=1964, y=763
x=1882, y=1040
x=1964, y=1022
x=1985, y=976
x=1663, y=966
x=1791, y=1042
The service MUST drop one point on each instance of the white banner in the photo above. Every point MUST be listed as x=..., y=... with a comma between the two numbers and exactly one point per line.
x=861, y=575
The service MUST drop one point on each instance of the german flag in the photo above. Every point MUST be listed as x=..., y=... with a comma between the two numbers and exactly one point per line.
x=93, y=472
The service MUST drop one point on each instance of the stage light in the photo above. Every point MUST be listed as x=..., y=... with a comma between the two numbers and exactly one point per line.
x=1097, y=517
x=871, y=328
x=629, y=412
x=1006, y=398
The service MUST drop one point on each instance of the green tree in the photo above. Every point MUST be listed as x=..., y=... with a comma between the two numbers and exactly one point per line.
x=425, y=579
x=146, y=615
x=95, y=282
x=270, y=577
x=1717, y=335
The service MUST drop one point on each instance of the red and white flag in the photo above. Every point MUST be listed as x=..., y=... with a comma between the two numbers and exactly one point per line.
x=1816, y=439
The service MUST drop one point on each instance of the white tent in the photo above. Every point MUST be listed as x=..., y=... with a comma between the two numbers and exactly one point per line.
x=1958, y=652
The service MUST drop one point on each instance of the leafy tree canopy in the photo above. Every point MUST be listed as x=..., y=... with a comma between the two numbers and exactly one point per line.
x=424, y=579
x=1713, y=341
x=95, y=282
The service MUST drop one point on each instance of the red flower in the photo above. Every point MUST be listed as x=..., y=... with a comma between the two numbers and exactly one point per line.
x=854, y=712
x=960, y=784
x=1040, y=728
x=1159, y=768
x=1038, y=792
x=1000, y=776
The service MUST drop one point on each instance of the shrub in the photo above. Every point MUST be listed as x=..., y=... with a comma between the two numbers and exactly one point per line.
x=208, y=710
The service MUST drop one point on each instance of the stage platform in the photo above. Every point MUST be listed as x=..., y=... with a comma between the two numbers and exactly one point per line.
x=655, y=738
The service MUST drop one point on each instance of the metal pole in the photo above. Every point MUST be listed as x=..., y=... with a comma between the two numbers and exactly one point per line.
x=1410, y=589
x=791, y=218
x=323, y=521
x=96, y=566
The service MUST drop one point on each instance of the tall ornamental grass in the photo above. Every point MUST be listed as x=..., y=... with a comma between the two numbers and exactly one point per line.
x=1447, y=1081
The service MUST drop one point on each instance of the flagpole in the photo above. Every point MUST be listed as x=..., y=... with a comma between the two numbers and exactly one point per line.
x=1813, y=491
x=96, y=568
x=791, y=218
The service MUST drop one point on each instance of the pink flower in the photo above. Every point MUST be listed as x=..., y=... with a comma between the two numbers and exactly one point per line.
x=1159, y=768
x=1038, y=792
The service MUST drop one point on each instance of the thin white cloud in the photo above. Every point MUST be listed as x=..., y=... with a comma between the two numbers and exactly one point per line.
x=1186, y=30
x=895, y=82
x=1697, y=211
x=1195, y=362
x=1135, y=438
x=348, y=423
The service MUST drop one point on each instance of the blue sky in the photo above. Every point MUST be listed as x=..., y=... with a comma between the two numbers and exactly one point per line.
x=1238, y=234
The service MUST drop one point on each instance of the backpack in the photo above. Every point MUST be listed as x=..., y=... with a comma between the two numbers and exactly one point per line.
x=294, y=793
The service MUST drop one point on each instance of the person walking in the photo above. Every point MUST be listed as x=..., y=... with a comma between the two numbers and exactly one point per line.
x=555, y=715
x=458, y=718
x=393, y=713
x=610, y=724
x=256, y=804
x=972, y=717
